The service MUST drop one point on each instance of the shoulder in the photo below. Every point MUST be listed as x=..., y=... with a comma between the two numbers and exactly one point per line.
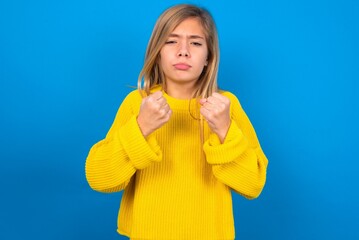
x=137, y=94
x=133, y=97
x=131, y=103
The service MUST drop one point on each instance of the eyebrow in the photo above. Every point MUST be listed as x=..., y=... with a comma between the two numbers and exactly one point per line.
x=190, y=37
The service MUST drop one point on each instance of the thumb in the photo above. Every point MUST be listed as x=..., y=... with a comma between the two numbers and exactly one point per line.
x=202, y=101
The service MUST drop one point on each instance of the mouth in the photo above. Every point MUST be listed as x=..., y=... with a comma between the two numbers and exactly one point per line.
x=182, y=66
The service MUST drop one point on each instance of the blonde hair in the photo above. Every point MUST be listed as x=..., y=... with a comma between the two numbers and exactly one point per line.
x=151, y=73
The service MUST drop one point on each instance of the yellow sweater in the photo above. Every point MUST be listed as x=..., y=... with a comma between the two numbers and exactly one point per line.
x=175, y=188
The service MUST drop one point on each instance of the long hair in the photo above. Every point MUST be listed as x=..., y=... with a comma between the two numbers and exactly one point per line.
x=151, y=73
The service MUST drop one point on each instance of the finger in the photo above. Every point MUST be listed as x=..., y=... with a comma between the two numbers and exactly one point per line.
x=210, y=106
x=156, y=95
x=166, y=108
x=206, y=114
x=213, y=100
x=162, y=101
x=169, y=113
x=202, y=101
x=166, y=114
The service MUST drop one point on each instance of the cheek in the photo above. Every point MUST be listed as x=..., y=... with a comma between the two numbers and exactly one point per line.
x=205, y=57
x=164, y=58
x=205, y=60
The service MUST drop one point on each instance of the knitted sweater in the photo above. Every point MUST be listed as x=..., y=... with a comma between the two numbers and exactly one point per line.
x=175, y=187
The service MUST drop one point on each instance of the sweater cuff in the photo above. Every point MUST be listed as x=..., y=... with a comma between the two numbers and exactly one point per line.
x=233, y=146
x=141, y=151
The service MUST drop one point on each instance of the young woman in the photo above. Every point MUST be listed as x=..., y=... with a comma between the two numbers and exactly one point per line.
x=178, y=145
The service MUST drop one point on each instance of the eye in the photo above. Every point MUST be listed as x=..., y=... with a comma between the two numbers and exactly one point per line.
x=196, y=43
x=170, y=42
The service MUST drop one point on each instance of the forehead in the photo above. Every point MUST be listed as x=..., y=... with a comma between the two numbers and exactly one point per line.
x=189, y=26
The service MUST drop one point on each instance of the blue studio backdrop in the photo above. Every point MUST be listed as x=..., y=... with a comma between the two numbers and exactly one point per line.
x=65, y=67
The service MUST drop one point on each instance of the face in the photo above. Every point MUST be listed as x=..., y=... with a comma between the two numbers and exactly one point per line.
x=184, y=54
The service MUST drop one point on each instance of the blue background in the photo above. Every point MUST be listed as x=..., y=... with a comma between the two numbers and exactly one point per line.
x=65, y=67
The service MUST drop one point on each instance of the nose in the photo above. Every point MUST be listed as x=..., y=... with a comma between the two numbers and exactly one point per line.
x=183, y=50
x=183, y=54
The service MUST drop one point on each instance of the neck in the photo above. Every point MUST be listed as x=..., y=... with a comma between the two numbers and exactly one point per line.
x=180, y=90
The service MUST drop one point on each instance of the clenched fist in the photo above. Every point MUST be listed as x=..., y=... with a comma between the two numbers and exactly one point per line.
x=154, y=112
x=216, y=110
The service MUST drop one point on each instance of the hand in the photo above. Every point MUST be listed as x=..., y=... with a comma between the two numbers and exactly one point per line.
x=154, y=112
x=216, y=110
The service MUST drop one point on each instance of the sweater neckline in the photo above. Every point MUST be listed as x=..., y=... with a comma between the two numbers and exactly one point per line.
x=191, y=104
x=181, y=104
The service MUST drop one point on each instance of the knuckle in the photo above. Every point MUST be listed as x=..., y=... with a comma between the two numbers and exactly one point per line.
x=223, y=105
x=156, y=107
x=210, y=115
x=216, y=112
x=163, y=112
x=150, y=99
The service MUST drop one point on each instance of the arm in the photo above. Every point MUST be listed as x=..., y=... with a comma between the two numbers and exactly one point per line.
x=114, y=160
x=239, y=161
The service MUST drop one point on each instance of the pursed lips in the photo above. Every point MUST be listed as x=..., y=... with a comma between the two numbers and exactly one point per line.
x=182, y=66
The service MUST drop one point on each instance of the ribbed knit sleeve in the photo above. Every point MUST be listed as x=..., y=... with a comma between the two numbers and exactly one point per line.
x=114, y=160
x=239, y=161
